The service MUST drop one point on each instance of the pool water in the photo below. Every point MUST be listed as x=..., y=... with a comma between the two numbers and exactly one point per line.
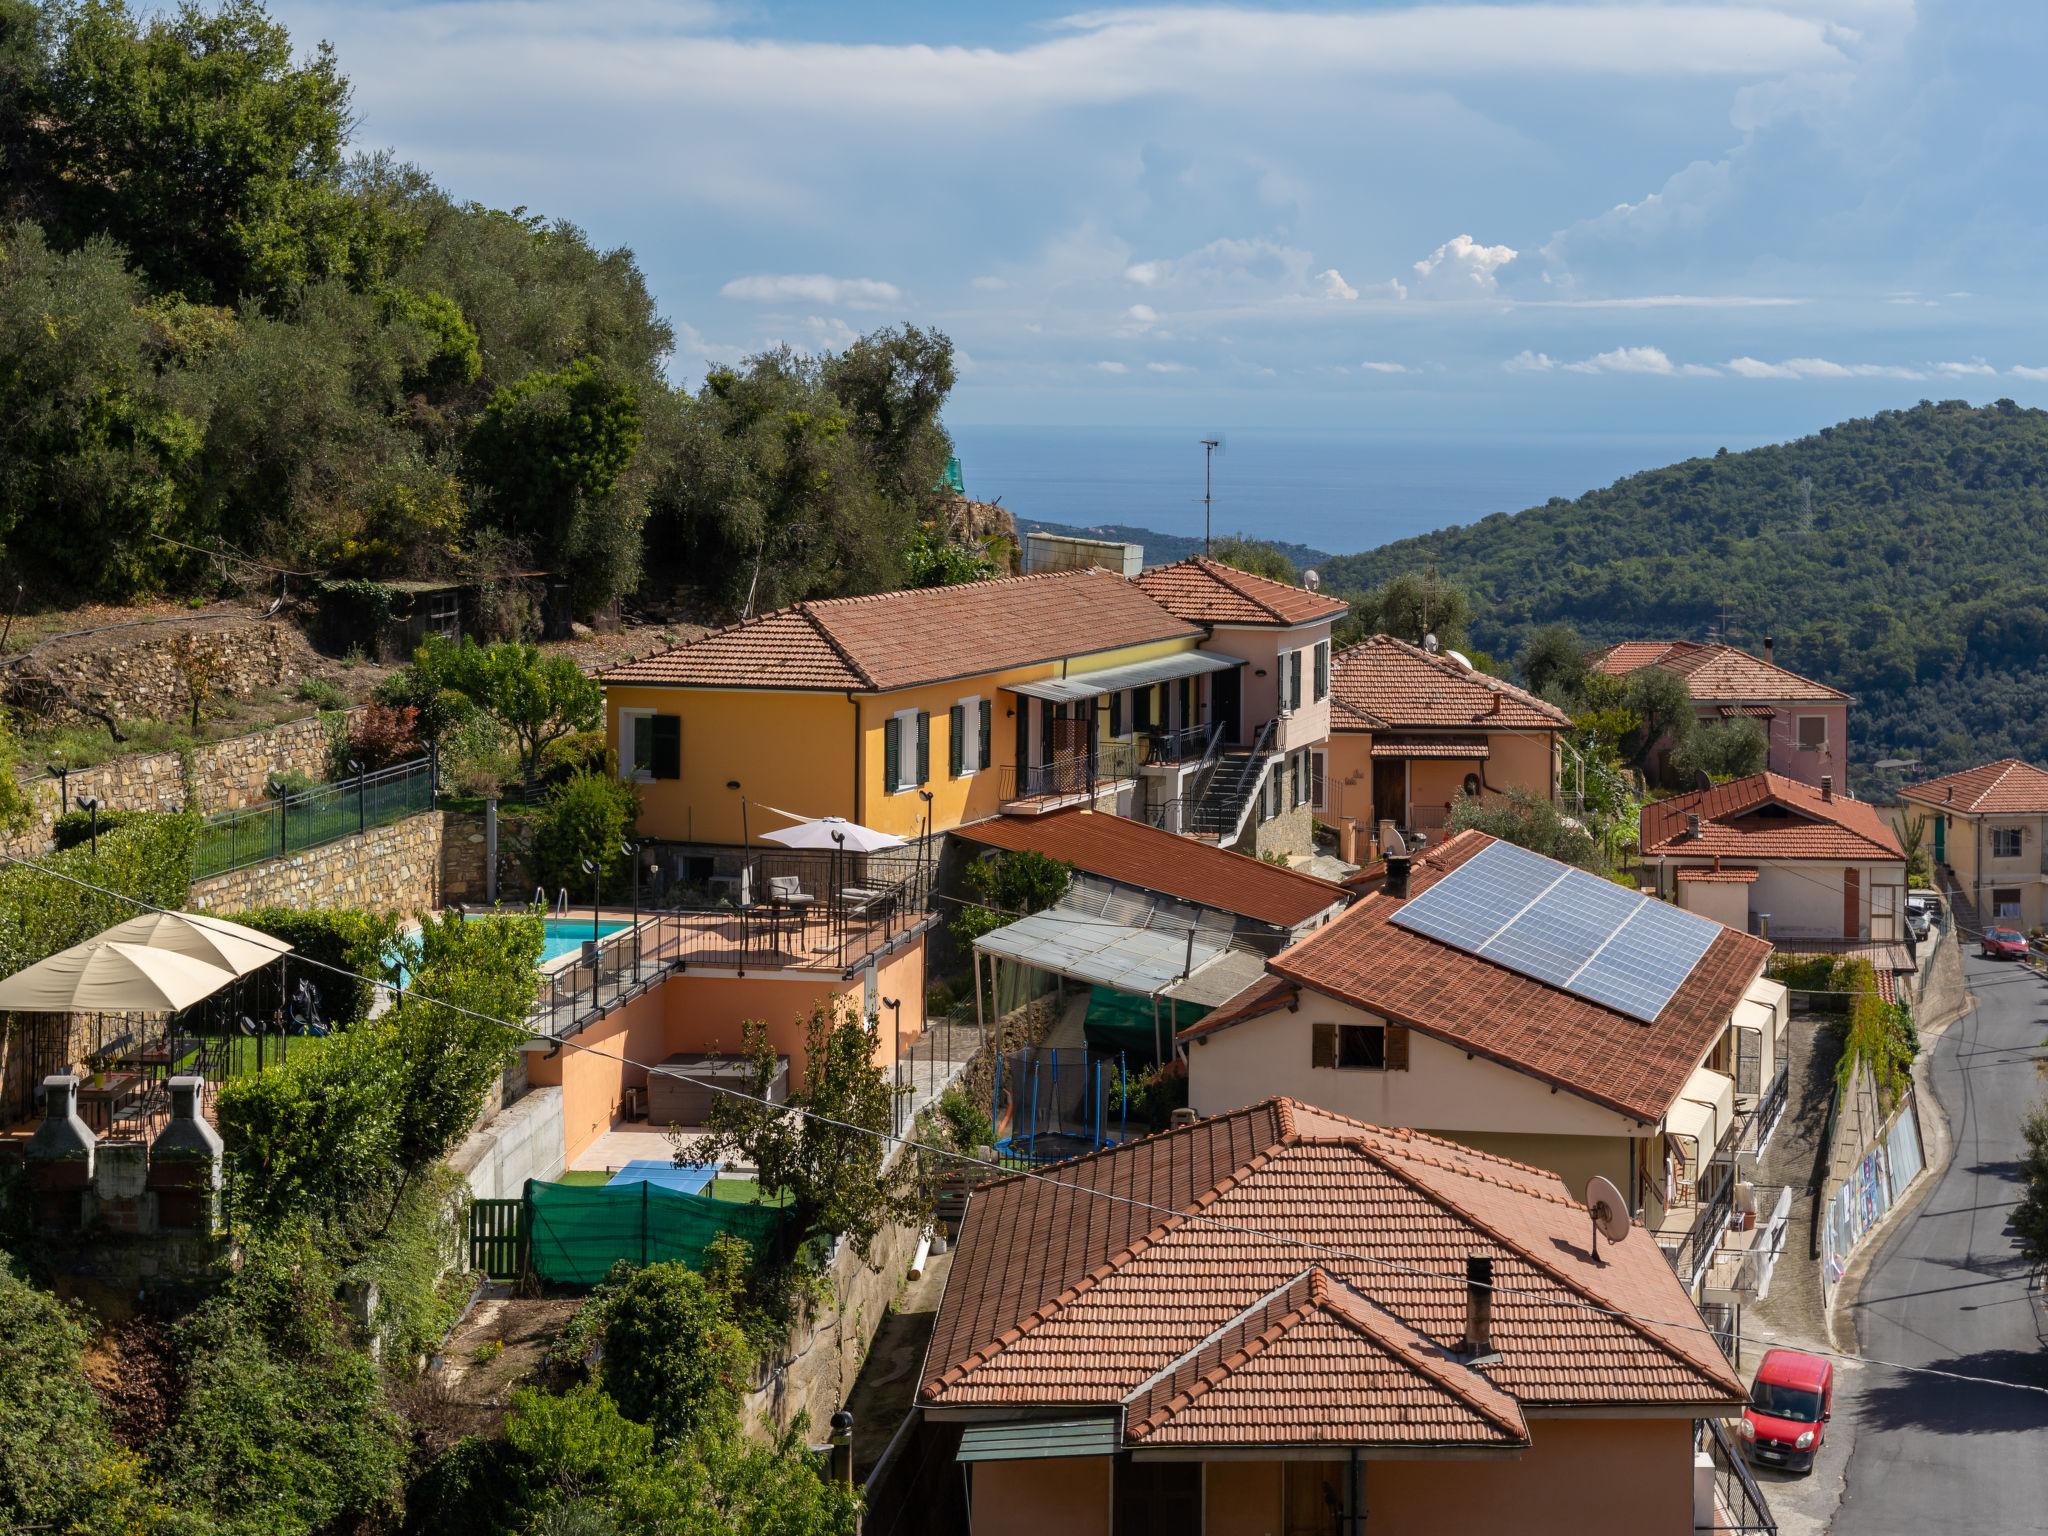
x=566, y=936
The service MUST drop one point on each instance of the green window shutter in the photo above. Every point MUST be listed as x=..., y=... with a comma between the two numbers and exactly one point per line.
x=1294, y=680
x=988, y=710
x=892, y=755
x=956, y=739
x=666, y=757
x=924, y=746
x=1322, y=669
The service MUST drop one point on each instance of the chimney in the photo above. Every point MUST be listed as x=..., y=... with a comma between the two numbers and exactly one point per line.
x=1477, y=1345
x=1397, y=875
x=1180, y=1117
x=1827, y=786
x=1692, y=826
x=1494, y=707
x=1767, y=648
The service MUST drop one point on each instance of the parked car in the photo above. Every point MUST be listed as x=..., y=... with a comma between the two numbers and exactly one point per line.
x=2004, y=944
x=1918, y=923
x=1790, y=1404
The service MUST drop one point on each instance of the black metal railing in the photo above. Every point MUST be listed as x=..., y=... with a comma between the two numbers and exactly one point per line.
x=1166, y=815
x=309, y=818
x=1739, y=1505
x=1756, y=1125
x=1190, y=741
x=1712, y=1207
x=1080, y=773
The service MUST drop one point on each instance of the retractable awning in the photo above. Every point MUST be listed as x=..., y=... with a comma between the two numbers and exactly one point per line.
x=1703, y=1110
x=1138, y=674
x=1036, y=1439
x=1056, y=690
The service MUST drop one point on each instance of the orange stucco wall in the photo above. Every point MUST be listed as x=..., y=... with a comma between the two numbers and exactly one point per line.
x=694, y=1012
x=1515, y=760
x=1058, y=1496
x=1242, y=1496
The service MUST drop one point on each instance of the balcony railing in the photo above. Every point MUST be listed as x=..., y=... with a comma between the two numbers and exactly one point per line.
x=1188, y=744
x=1739, y=1506
x=1078, y=774
x=1713, y=1205
x=308, y=818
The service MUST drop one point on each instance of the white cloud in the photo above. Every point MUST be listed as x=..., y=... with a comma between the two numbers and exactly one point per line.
x=1114, y=368
x=1645, y=360
x=1331, y=285
x=1976, y=367
x=988, y=282
x=1818, y=368
x=1146, y=274
x=1462, y=267
x=812, y=288
x=1373, y=367
x=1168, y=368
x=830, y=332
x=1526, y=361
x=1143, y=314
x=2021, y=371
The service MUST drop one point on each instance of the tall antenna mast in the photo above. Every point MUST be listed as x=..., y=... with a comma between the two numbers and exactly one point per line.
x=1209, y=447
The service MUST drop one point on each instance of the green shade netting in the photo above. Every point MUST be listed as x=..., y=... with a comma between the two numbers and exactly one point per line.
x=579, y=1231
x=1120, y=1023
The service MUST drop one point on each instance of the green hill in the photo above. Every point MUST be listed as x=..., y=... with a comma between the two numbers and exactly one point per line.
x=1896, y=556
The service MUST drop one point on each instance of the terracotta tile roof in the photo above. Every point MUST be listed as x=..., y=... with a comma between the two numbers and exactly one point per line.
x=1746, y=712
x=1133, y=853
x=1715, y=672
x=1888, y=961
x=1191, y=1298
x=1386, y=684
x=1206, y=591
x=1570, y=1041
x=1431, y=746
x=1318, y=1363
x=1718, y=876
x=925, y=635
x=2007, y=787
x=1767, y=816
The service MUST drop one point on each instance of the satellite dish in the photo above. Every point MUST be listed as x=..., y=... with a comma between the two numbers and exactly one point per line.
x=1608, y=1210
x=1461, y=659
x=1431, y=644
x=1702, y=780
x=1394, y=845
x=1312, y=579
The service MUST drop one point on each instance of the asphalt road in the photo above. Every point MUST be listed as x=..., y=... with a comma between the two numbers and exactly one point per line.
x=1947, y=1289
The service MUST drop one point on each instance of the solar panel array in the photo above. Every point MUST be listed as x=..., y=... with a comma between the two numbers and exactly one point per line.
x=1564, y=927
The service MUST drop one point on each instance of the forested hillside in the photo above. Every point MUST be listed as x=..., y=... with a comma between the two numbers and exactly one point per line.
x=221, y=333
x=1897, y=557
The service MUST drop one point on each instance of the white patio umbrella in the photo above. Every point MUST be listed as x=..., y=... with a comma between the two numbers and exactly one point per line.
x=112, y=978
x=214, y=940
x=834, y=833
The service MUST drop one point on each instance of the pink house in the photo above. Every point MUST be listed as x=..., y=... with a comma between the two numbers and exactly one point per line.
x=1807, y=722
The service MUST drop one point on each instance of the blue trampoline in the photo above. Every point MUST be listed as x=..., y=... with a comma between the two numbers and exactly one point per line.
x=1051, y=1104
x=648, y=1170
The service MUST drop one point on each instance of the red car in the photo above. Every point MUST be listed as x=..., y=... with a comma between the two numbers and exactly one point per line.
x=2004, y=944
x=1789, y=1407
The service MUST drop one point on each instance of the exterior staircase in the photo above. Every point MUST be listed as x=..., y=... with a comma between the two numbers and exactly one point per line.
x=1225, y=797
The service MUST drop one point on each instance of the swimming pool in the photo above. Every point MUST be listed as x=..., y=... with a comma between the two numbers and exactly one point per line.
x=566, y=936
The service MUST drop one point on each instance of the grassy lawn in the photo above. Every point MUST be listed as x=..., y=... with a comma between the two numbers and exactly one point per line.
x=242, y=1052
x=584, y=1176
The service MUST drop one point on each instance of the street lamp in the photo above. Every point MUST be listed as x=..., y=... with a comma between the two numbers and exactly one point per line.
x=631, y=850
x=596, y=872
x=895, y=1005
x=90, y=804
x=61, y=772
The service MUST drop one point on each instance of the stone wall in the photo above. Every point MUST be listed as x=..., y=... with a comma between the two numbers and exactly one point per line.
x=395, y=868
x=463, y=877
x=131, y=671
x=225, y=776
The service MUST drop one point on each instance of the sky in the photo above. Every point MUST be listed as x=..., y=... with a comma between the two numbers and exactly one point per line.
x=1591, y=215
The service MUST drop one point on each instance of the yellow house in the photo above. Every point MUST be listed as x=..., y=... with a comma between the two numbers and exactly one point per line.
x=910, y=712
x=1412, y=733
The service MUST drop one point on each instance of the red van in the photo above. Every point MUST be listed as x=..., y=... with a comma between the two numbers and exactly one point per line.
x=1789, y=1407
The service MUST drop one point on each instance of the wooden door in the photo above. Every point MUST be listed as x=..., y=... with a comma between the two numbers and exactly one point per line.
x=1389, y=792
x=1852, y=902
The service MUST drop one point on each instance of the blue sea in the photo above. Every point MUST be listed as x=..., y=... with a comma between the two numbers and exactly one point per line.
x=1340, y=494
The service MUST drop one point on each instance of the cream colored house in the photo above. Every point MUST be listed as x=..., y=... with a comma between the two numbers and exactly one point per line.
x=1375, y=1019
x=1988, y=826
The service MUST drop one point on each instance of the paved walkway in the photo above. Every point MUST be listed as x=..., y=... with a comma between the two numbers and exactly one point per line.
x=1947, y=1289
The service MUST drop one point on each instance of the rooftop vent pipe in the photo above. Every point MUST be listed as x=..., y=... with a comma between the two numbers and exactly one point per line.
x=1767, y=648
x=1477, y=1345
x=1397, y=874
x=1827, y=786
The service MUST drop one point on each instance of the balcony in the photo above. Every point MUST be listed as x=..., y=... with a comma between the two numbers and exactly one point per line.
x=1737, y=1507
x=1189, y=744
x=1069, y=779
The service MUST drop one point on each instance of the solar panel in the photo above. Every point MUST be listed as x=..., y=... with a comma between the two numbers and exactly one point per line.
x=1564, y=927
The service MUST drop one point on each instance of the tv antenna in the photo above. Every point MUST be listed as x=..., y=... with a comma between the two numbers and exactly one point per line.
x=1608, y=1210
x=1209, y=447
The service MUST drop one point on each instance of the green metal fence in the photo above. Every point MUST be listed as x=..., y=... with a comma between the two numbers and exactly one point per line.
x=324, y=814
x=576, y=1232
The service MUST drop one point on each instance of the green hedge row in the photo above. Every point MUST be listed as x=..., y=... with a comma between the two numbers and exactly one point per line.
x=148, y=857
x=336, y=936
x=75, y=827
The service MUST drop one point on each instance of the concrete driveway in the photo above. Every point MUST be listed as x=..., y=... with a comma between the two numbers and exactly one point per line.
x=1947, y=1289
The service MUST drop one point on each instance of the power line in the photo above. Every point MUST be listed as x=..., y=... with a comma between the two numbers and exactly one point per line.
x=1698, y=1325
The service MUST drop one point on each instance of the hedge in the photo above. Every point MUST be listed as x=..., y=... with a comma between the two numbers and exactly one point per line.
x=75, y=827
x=148, y=858
x=337, y=936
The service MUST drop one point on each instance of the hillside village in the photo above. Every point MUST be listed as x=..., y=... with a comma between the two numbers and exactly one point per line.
x=587, y=958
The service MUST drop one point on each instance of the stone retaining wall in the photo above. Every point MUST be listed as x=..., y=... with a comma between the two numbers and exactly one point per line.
x=131, y=671
x=225, y=776
x=395, y=868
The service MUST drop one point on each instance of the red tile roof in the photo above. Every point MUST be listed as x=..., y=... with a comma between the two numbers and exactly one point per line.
x=1384, y=684
x=1720, y=876
x=1283, y=1275
x=1715, y=673
x=2007, y=787
x=1516, y=1020
x=1207, y=591
x=925, y=635
x=1133, y=853
x=1767, y=816
x=1432, y=746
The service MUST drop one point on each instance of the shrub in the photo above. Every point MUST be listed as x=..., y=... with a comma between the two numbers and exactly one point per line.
x=1528, y=821
x=76, y=827
x=376, y=737
x=477, y=757
x=1016, y=882
x=966, y=1122
x=589, y=817
x=673, y=1357
x=346, y=937
x=148, y=858
x=322, y=694
x=1152, y=1095
x=578, y=752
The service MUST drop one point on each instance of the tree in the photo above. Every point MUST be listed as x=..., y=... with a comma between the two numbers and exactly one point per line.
x=537, y=696
x=588, y=816
x=933, y=560
x=2030, y=1216
x=1009, y=884
x=827, y=1155
x=673, y=1356
x=1553, y=663
x=1411, y=607
x=1663, y=711
x=1255, y=556
x=891, y=384
x=1528, y=821
x=1734, y=749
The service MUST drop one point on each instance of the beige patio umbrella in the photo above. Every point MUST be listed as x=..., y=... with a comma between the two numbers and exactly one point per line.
x=213, y=940
x=112, y=978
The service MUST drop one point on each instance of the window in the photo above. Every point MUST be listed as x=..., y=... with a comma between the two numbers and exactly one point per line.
x=1322, y=670
x=906, y=750
x=1359, y=1047
x=651, y=745
x=1813, y=733
x=1117, y=711
x=2006, y=841
x=1317, y=785
x=1290, y=681
x=967, y=737
x=2005, y=902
